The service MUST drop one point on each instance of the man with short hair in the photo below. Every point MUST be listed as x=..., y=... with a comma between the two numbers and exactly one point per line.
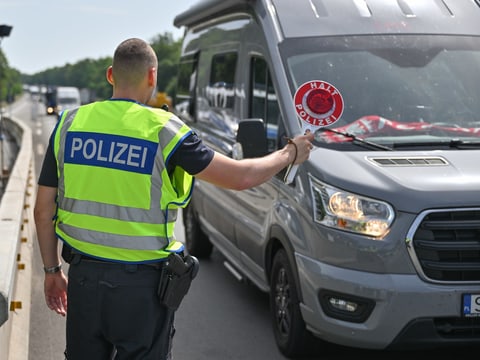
x=113, y=178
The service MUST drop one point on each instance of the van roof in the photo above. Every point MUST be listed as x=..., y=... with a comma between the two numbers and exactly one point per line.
x=304, y=18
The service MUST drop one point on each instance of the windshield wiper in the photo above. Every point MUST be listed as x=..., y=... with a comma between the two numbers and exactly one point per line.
x=453, y=143
x=357, y=140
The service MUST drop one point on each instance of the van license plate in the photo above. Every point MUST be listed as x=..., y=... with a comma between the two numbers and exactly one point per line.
x=471, y=305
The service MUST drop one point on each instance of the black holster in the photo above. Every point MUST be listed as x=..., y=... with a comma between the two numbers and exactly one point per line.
x=176, y=278
x=67, y=253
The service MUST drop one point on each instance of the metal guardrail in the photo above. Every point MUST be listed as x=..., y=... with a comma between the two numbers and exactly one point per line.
x=17, y=234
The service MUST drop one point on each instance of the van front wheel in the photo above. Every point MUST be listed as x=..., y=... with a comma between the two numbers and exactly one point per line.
x=288, y=325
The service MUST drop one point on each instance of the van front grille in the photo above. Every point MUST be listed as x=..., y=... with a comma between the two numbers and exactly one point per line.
x=445, y=245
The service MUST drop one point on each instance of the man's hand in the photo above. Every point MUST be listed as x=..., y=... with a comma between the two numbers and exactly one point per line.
x=303, y=146
x=55, y=288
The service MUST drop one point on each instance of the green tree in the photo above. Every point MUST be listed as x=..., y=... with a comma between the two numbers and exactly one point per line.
x=168, y=53
x=3, y=76
x=10, y=81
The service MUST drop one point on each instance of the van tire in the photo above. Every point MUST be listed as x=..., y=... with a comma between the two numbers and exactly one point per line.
x=288, y=325
x=196, y=241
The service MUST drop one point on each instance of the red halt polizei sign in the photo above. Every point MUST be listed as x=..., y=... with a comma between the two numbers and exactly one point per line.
x=318, y=104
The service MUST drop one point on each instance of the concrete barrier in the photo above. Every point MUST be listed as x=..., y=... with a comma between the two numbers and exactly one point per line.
x=17, y=234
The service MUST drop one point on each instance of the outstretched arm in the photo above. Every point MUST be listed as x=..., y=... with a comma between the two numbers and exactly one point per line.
x=247, y=173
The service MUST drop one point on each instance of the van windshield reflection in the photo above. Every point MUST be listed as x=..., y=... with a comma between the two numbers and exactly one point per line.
x=396, y=88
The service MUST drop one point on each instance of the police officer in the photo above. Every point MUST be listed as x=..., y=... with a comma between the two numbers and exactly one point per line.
x=113, y=177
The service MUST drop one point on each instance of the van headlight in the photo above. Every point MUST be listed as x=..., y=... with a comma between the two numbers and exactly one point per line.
x=350, y=212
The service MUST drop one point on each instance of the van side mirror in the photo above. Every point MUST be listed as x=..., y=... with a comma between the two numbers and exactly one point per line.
x=252, y=137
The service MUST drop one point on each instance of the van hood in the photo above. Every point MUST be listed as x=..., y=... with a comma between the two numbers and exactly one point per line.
x=411, y=181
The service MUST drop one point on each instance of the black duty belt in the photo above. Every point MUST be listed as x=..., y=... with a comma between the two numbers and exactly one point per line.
x=82, y=257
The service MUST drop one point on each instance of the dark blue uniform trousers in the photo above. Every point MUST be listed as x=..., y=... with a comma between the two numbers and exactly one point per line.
x=114, y=313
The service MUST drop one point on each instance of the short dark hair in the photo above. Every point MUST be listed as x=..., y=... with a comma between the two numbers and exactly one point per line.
x=131, y=61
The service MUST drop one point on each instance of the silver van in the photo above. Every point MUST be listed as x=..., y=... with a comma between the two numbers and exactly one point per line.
x=374, y=242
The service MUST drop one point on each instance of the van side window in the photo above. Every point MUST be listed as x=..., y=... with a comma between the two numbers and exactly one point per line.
x=263, y=100
x=221, y=92
x=186, y=84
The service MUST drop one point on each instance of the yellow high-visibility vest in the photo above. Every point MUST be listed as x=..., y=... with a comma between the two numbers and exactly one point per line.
x=116, y=197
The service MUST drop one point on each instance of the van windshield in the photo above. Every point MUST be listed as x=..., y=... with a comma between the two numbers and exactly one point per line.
x=411, y=89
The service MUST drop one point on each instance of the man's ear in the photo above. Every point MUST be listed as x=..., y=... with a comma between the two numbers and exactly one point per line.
x=152, y=76
x=109, y=75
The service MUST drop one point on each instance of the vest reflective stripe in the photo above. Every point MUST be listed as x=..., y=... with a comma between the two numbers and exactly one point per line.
x=117, y=241
x=88, y=225
x=132, y=218
x=122, y=254
x=112, y=211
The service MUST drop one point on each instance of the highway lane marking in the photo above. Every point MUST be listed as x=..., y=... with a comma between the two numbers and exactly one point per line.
x=40, y=149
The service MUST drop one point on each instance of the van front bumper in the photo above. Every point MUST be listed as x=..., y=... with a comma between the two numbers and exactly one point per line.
x=398, y=310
